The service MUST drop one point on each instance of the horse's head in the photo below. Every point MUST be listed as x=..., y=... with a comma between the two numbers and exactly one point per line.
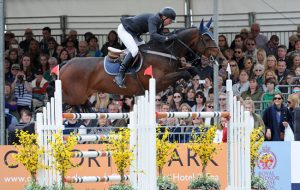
x=206, y=44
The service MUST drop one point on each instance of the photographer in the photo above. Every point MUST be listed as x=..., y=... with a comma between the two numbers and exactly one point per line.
x=23, y=92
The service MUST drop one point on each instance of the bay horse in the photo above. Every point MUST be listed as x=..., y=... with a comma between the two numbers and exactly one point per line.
x=81, y=77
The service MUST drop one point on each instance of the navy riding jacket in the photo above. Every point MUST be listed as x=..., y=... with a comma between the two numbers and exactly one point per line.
x=144, y=23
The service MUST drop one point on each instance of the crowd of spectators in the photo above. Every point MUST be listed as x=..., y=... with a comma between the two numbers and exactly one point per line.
x=263, y=71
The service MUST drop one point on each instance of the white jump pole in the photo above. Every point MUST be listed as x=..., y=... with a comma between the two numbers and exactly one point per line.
x=152, y=135
x=95, y=115
x=230, y=155
x=247, y=151
x=191, y=114
x=94, y=179
x=91, y=154
x=85, y=138
x=40, y=173
x=133, y=145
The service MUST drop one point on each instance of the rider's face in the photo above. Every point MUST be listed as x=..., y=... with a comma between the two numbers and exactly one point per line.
x=167, y=21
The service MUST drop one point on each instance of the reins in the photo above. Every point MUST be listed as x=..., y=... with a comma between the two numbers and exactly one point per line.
x=197, y=57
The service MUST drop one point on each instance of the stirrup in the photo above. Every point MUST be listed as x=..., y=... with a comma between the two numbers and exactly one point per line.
x=122, y=85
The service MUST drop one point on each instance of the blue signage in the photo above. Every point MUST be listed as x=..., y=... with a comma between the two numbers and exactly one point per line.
x=274, y=165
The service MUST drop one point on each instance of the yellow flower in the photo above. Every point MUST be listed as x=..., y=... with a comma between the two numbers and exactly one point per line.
x=256, y=141
x=62, y=153
x=204, y=146
x=122, y=154
x=28, y=152
x=164, y=149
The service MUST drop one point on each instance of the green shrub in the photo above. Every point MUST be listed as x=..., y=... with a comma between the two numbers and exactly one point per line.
x=205, y=183
x=165, y=183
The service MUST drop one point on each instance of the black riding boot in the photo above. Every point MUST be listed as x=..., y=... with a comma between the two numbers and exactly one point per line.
x=119, y=79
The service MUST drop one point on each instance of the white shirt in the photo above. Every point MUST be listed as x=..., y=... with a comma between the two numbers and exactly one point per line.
x=251, y=122
x=219, y=136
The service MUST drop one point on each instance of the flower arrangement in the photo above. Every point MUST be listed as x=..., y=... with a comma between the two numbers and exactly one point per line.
x=164, y=151
x=62, y=153
x=28, y=154
x=204, y=147
x=122, y=155
x=256, y=140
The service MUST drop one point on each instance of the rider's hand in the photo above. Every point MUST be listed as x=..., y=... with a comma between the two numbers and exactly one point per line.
x=268, y=134
x=171, y=37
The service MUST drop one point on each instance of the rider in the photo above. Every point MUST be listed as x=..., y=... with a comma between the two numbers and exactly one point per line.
x=131, y=28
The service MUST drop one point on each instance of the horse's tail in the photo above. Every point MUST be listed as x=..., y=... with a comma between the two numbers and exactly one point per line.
x=51, y=85
x=50, y=89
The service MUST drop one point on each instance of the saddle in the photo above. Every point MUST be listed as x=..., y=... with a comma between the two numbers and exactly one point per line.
x=115, y=57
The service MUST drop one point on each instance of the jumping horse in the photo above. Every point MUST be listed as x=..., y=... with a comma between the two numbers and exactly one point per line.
x=81, y=77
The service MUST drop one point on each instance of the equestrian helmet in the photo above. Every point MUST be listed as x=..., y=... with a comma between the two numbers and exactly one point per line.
x=168, y=12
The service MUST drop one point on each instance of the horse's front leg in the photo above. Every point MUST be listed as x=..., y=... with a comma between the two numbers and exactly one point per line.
x=192, y=70
x=171, y=78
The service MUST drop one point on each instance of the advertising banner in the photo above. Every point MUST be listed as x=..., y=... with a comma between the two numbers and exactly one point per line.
x=274, y=164
x=182, y=169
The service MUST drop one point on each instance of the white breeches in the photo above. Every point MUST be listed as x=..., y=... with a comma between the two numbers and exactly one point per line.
x=130, y=43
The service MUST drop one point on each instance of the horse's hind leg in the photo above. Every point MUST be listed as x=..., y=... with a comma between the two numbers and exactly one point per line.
x=87, y=107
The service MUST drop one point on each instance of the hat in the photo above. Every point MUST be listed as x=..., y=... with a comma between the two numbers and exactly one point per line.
x=15, y=66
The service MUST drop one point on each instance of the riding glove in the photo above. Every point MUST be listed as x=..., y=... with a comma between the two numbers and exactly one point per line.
x=171, y=37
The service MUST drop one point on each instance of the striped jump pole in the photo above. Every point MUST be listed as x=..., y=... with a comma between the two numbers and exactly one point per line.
x=94, y=179
x=84, y=138
x=160, y=115
x=91, y=154
x=95, y=115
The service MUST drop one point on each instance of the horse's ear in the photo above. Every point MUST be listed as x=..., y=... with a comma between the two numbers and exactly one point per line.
x=201, y=27
x=209, y=23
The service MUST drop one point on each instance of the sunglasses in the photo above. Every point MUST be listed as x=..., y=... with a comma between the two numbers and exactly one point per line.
x=177, y=96
x=157, y=99
x=277, y=98
x=210, y=106
x=258, y=70
x=250, y=44
x=199, y=97
x=237, y=52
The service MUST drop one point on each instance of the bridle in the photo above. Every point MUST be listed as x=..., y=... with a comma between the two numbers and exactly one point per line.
x=197, y=57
